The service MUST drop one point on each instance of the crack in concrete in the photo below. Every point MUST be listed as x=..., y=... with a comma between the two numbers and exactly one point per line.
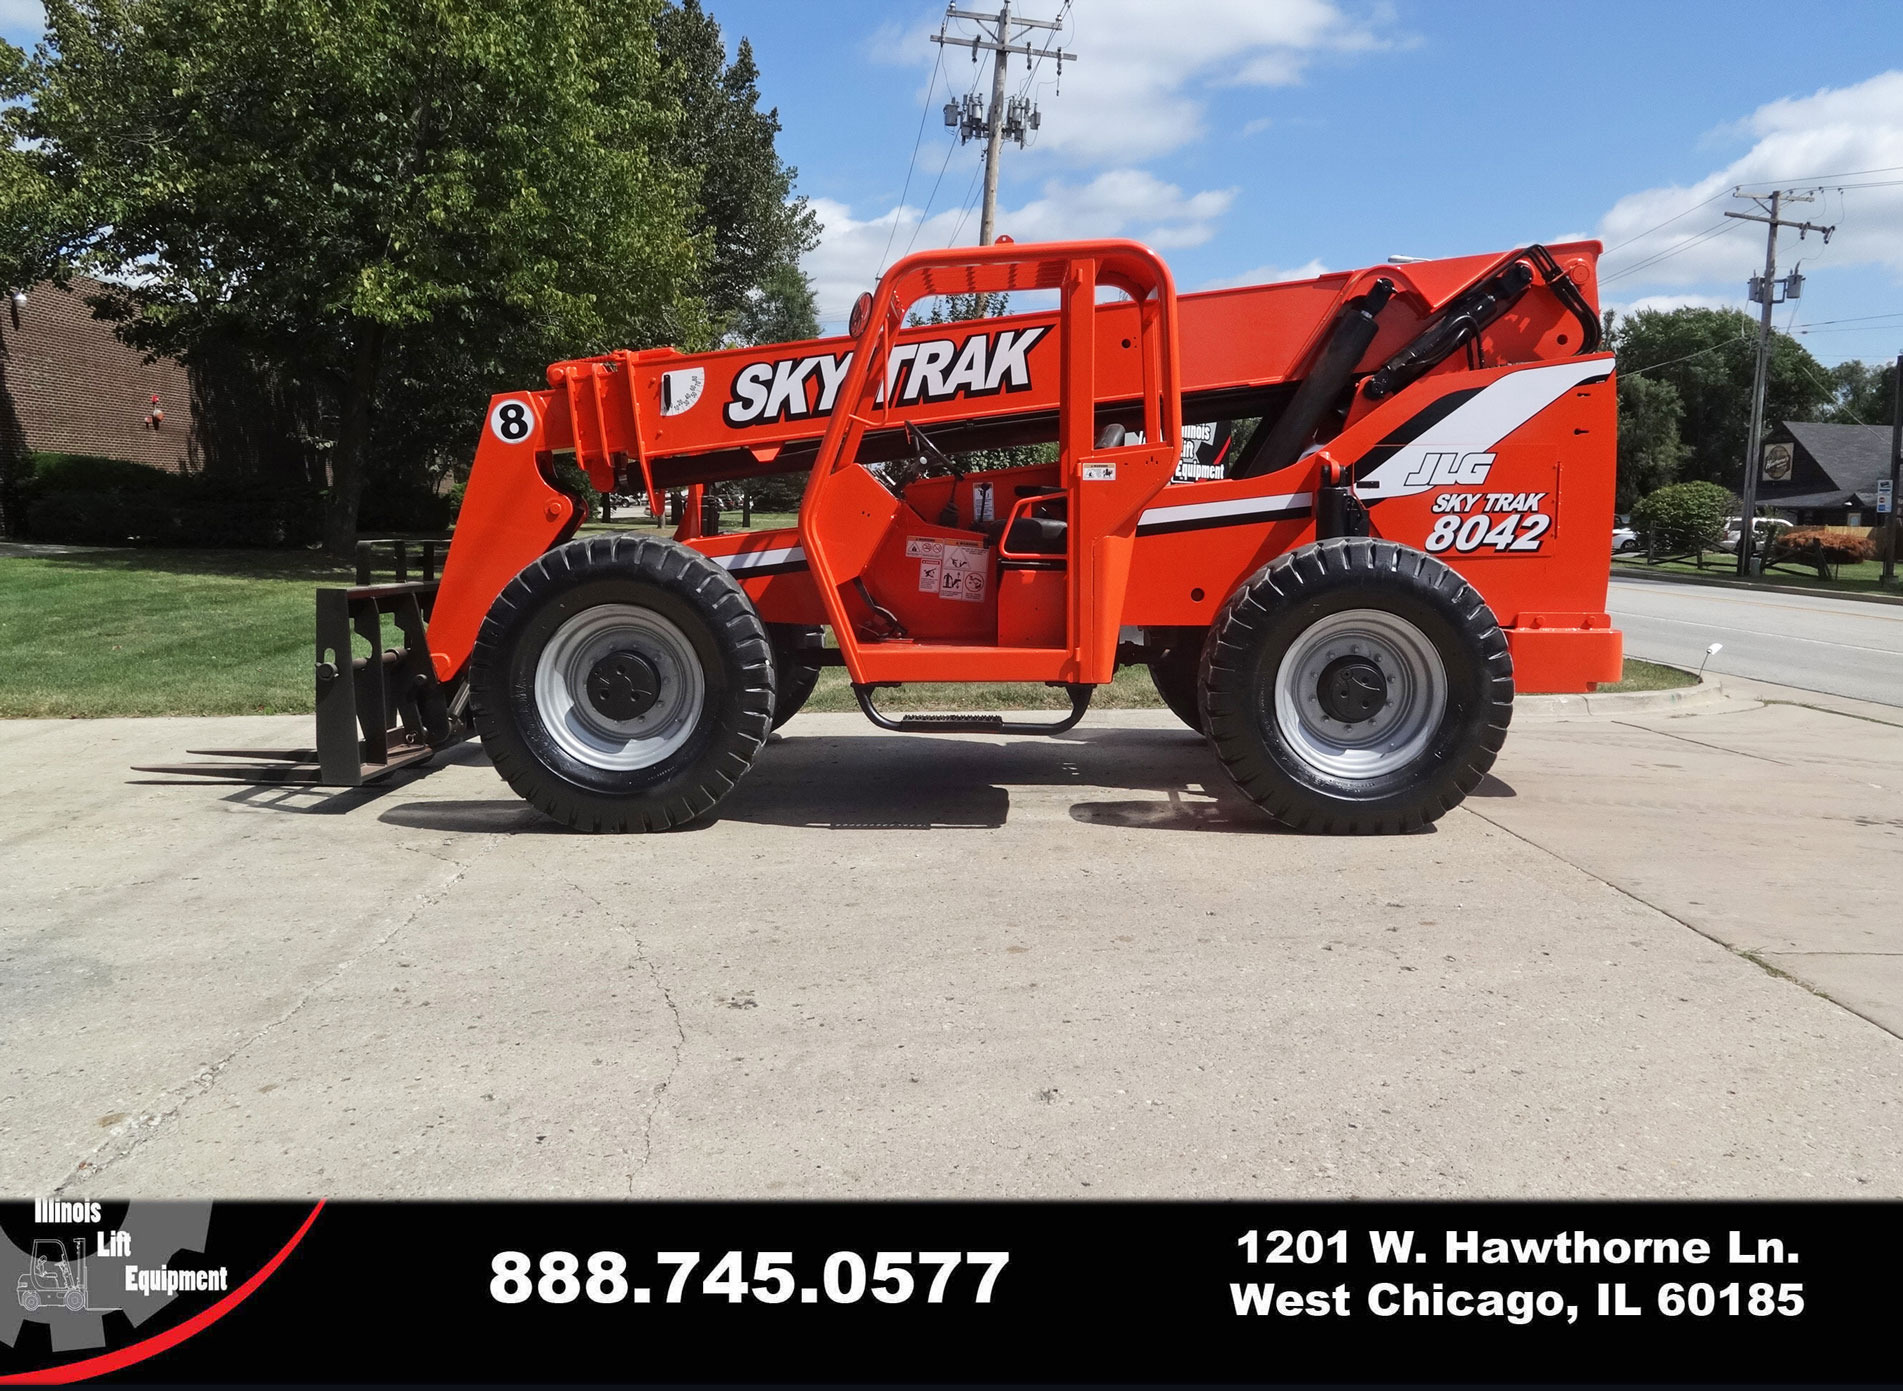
x=1715, y=748
x=680, y=1032
x=1750, y=954
x=1828, y=710
x=148, y=1123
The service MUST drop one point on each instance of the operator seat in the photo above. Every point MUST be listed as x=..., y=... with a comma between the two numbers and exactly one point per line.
x=1049, y=534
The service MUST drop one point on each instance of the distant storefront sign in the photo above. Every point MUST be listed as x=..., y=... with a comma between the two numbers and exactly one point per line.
x=1777, y=463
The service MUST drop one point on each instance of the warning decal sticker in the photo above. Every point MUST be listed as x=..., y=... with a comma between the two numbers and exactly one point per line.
x=962, y=574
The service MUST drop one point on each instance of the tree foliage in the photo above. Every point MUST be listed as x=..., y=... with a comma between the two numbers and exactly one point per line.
x=1865, y=395
x=1651, y=452
x=392, y=210
x=744, y=209
x=1708, y=356
x=783, y=309
x=1683, y=517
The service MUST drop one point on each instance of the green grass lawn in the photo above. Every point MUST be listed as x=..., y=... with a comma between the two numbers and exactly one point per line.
x=1862, y=577
x=1650, y=676
x=159, y=632
x=163, y=632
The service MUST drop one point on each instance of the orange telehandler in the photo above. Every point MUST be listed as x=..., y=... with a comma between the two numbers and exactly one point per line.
x=1418, y=525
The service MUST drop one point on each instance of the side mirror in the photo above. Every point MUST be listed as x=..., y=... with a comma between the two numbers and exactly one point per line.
x=861, y=311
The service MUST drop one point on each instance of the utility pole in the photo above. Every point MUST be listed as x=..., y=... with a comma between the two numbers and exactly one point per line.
x=1764, y=292
x=1002, y=119
x=1896, y=467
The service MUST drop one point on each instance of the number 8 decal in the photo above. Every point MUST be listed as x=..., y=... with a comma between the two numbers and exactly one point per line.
x=511, y=421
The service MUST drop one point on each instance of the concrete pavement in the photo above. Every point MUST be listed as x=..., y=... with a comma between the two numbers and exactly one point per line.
x=1841, y=646
x=960, y=966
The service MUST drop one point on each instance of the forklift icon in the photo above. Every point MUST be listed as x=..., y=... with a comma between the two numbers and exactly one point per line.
x=52, y=1279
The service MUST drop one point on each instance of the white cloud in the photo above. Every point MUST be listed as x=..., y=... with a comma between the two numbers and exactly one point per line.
x=1675, y=301
x=1832, y=133
x=1267, y=275
x=1133, y=92
x=1118, y=202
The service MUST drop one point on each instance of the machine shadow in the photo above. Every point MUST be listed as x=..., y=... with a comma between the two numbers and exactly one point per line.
x=924, y=783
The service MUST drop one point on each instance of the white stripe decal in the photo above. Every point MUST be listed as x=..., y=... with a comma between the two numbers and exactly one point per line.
x=754, y=560
x=1241, y=508
x=1479, y=424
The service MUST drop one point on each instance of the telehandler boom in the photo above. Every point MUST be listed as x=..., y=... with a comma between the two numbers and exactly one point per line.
x=1418, y=526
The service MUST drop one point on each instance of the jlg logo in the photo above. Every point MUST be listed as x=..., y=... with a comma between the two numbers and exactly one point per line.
x=1459, y=469
x=937, y=369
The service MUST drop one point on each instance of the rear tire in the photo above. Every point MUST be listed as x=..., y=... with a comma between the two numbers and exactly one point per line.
x=1357, y=686
x=795, y=668
x=622, y=683
x=1177, y=675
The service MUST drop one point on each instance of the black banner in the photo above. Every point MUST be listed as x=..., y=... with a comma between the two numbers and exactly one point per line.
x=953, y=1292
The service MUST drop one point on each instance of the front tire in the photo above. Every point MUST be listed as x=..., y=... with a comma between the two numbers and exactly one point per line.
x=622, y=683
x=1357, y=686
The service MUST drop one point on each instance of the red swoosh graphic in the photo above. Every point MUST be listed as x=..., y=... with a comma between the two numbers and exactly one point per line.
x=159, y=1342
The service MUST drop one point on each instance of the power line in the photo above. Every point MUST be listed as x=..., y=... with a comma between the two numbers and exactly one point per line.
x=1804, y=179
x=969, y=203
x=1831, y=389
x=943, y=165
x=951, y=147
x=1834, y=174
x=1653, y=367
x=1717, y=229
x=912, y=163
x=1668, y=222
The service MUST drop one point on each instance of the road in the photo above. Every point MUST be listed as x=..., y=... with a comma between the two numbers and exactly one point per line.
x=1842, y=647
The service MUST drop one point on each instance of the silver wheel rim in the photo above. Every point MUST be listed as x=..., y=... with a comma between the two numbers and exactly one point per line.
x=588, y=735
x=1397, y=733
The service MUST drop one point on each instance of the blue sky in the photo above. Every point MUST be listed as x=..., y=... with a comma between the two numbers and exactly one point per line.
x=1251, y=139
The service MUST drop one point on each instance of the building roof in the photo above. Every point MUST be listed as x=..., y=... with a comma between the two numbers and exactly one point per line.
x=1852, y=456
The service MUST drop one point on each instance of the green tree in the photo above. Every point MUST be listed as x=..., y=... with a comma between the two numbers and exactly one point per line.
x=1708, y=357
x=1650, y=450
x=460, y=188
x=1866, y=395
x=31, y=212
x=745, y=207
x=782, y=309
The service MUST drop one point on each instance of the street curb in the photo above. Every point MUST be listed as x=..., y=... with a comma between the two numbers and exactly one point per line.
x=1858, y=596
x=1706, y=695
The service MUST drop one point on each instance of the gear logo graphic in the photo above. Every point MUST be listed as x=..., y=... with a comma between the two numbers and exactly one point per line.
x=62, y=1282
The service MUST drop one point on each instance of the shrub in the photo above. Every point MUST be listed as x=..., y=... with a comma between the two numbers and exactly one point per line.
x=1833, y=547
x=1682, y=516
x=109, y=502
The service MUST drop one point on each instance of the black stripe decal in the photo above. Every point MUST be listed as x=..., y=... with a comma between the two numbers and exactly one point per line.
x=784, y=567
x=1412, y=429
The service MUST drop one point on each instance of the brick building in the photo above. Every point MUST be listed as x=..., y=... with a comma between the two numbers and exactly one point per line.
x=68, y=386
